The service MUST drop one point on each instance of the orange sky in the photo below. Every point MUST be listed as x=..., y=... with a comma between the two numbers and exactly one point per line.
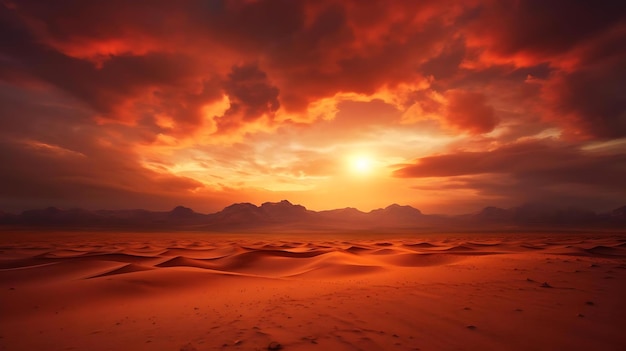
x=448, y=106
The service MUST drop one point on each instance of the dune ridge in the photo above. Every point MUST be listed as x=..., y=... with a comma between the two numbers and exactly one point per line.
x=236, y=255
x=103, y=291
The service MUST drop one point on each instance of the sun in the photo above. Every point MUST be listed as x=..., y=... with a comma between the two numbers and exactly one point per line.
x=361, y=164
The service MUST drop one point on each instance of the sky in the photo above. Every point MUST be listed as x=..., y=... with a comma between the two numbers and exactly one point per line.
x=447, y=106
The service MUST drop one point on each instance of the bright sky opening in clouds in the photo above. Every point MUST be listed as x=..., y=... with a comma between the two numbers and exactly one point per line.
x=448, y=106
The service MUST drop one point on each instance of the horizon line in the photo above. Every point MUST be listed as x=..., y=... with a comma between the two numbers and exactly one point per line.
x=543, y=206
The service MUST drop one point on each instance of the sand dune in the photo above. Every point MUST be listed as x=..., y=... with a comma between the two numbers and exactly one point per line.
x=107, y=291
x=606, y=251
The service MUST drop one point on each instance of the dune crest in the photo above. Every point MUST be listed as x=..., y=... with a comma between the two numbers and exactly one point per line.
x=105, y=291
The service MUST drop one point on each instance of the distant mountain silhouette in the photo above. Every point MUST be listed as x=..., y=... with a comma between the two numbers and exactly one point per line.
x=348, y=214
x=182, y=212
x=53, y=215
x=250, y=215
x=619, y=213
x=284, y=214
x=285, y=211
x=491, y=213
x=397, y=214
x=538, y=215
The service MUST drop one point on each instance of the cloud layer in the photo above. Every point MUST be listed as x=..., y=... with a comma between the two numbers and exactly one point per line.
x=221, y=101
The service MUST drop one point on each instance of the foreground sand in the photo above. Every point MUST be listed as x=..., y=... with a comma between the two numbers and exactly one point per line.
x=137, y=291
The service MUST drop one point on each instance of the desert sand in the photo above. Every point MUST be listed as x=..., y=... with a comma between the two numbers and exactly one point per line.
x=199, y=291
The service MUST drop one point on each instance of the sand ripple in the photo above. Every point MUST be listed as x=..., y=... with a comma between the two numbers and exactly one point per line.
x=275, y=259
x=341, y=292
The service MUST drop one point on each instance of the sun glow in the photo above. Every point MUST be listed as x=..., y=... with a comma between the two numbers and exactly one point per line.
x=361, y=164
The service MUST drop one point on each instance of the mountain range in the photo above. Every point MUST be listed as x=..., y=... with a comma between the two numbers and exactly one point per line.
x=285, y=215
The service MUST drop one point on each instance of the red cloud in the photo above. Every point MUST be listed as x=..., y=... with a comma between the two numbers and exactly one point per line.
x=589, y=102
x=310, y=50
x=528, y=32
x=543, y=161
x=129, y=60
x=251, y=96
x=584, y=95
x=533, y=171
x=469, y=111
x=185, y=72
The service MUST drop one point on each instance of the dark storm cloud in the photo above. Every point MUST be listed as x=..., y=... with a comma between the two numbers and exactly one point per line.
x=537, y=172
x=591, y=101
x=113, y=53
x=251, y=94
x=546, y=162
x=102, y=79
x=580, y=41
x=543, y=28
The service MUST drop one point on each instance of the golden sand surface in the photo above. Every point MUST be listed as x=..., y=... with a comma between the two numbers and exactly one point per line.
x=199, y=291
